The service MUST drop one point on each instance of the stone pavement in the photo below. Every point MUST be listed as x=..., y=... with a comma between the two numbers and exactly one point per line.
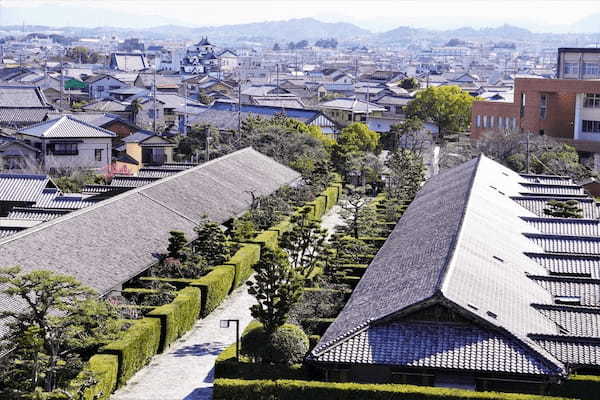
x=186, y=371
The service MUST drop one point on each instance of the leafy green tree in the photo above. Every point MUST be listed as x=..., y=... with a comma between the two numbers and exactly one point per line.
x=563, y=209
x=358, y=217
x=276, y=288
x=449, y=107
x=304, y=244
x=354, y=141
x=407, y=133
x=409, y=83
x=243, y=229
x=212, y=243
x=406, y=175
x=61, y=320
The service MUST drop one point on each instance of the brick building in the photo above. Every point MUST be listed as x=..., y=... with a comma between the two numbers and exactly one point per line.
x=566, y=109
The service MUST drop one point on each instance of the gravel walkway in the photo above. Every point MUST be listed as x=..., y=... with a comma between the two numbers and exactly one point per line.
x=186, y=371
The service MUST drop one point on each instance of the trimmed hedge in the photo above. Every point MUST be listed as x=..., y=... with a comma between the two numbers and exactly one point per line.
x=584, y=387
x=269, y=238
x=135, y=349
x=227, y=367
x=375, y=241
x=243, y=260
x=177, y=317
x=283, y=226
x=350, y=280
x=316, y=326
x=354, y=269
x=214, y=287
x=301, y=390
x=105, y=370
x=179, y=283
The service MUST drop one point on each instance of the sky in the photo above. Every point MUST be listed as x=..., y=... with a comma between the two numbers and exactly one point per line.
x=375, y=15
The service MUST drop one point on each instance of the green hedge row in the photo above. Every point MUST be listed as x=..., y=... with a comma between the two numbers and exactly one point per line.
x=135, y=349
x=354, y=269
x=226, y=366
x=583, y=387
x=243, y=261
x=178, y=283
x=214, y=287
x=105, y=370
x=301, y=390
x=268, y=239
x=177, y=317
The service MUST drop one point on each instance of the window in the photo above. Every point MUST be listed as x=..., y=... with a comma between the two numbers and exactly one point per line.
x=98, y=154
x=592, y=100
x=569, y=300
x=571, y=68
x=63, y=149
x=349, y=117
x=591, y=126
x=543, y=106
x=591, y=69
x=486, y=123
x=478, y=121
x=522, y=109
x=100, y=88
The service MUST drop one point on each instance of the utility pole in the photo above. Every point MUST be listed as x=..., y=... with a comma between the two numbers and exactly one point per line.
x=184, y=108
x=239, y=113
x=62, y=84
x=527, y=149
x=154, y=100
x=367, y=116
x=207, y=156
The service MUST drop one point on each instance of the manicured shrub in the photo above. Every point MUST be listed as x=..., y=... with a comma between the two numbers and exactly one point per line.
x=301, y=390
x=583, y=387
x=178, y=283
x=177, y=317
x=287, y=345
x=316, y=326
x=135, y=349
x=354, y=269
x=377, y=242
x=214, y=288
x=283, y=226
x=104, y=368
x=313, y=340
x=268, y=239
x=350, y=280
x=243, y=260
x=254, y=341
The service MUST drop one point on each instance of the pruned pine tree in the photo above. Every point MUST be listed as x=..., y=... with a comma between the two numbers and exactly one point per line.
x=563, y=209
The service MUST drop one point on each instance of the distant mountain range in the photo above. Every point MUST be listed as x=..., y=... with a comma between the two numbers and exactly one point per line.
x=311, y=29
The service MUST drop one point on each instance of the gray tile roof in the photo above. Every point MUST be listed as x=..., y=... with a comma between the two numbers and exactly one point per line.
x=156, y=172
x=22, y=188
x=536, y=204
x=567, y=264
x=66, y=127
x=566, y=244
x=427, y=345
x=553, y=189
x=580, y=321
x=22, y=116
x=35, y=214
x=440, y=252
x=548, y=179
x=587, y=289
x=140, y=220
x=16, y=96
x=565, y=226
x=580, y=352
x=132, y=181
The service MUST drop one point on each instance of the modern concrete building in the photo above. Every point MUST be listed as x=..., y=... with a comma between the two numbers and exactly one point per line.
x=578, y=63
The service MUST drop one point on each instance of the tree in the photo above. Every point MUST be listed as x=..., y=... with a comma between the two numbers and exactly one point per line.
x=354, y=140
x=136, y=107
x=406, y=134
x=406, y=175
x=358, y=217
x=60, y=321
x=177, y=242
x=449, y=107
x=563, y=209
x=276, y=288
x=276, y=47
x=205, y=99
x=410, y=83
x=211, y=243
x=304, y=244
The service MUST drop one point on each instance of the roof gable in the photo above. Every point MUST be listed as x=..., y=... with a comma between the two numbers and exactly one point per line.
x=66, y=126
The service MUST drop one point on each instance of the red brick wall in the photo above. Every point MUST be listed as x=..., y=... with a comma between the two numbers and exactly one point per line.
x=561, y=106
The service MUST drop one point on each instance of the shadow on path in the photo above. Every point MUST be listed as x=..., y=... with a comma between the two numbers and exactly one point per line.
x=201, y=349
x=204, y=393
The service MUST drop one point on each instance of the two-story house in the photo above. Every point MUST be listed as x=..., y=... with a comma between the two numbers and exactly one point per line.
x=67, y=142
x=100, y=85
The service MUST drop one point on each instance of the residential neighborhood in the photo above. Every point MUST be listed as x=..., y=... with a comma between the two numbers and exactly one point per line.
x=274, y=200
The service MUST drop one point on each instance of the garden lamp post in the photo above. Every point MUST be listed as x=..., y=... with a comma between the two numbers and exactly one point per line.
x=225, y=323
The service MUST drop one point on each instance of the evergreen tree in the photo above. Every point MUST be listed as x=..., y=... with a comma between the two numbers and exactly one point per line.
x=212, y=244
x=177, y=242
x=406, y=175
x=563, y=209
x=358, y=217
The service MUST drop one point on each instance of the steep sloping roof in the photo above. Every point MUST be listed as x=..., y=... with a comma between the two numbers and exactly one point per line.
x=66, y=126
x=22, y=97
x=440, y=251
x=22, y=188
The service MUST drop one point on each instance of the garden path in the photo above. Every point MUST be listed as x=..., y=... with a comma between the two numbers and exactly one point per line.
x=186, y=370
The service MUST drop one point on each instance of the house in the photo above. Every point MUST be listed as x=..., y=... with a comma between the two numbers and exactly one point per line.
x=122, y=127
x=22, y=105
x=348, y=110
x=67, y=142
x=131, y=228
x=228, y=61
x=578, y=63
x=164, y=83
x=128, y=62
x=170, y=108
x=249, y=94
x=22, y=190
x=207, y=85
x=443, y=305
x=146, y=149
x=109, y=105
x=200, y=58
x=17, y=155
x=99, y=86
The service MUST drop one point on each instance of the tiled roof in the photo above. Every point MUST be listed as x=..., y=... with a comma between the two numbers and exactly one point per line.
x=553, y=189
x=22, y=97
x=576, y=352
x=22, y=188
x=155, y=172
x=587, y=289
x=131, y=181
x=567, y=264
x=548, y=179
x=537, y=204
x=66, y=127
x=429, y=345
x=566, y=244
x=580, y=321
x=35, y=214
x=565, y=226
x=22, y=116
x=130, y=61
x=353, y=105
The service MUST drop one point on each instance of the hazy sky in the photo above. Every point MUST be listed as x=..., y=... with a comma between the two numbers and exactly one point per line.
x=371, y=14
